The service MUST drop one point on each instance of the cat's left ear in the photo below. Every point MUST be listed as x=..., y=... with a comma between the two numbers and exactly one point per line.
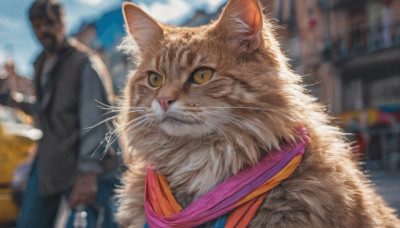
x=146, y=31
x=242, y=21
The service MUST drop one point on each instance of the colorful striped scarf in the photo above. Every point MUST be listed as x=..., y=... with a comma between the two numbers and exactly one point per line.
x=241, y=194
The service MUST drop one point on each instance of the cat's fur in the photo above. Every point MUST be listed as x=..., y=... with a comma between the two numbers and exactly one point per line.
x=253, y=103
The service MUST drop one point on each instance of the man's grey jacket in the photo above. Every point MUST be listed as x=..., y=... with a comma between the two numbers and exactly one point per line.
x=66, y=106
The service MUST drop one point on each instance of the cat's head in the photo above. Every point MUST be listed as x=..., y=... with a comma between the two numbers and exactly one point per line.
x=225, y=80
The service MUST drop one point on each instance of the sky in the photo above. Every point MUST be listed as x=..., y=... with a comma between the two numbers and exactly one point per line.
x=17, y=39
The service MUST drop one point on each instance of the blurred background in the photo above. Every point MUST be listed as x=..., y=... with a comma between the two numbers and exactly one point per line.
x=348, y=51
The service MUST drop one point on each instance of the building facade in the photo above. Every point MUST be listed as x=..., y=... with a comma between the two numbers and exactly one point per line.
x=349, y=52
x=14, y=86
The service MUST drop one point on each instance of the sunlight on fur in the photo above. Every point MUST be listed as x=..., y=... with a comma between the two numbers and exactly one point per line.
x=198, y=131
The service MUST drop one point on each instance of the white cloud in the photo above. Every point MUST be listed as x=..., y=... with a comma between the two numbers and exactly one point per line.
x=177, y=11
x=168, y=12
x=213, y=5
x=8, y=23
x=90, y=2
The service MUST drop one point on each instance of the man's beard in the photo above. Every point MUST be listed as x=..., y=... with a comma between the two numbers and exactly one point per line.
x=50, y=44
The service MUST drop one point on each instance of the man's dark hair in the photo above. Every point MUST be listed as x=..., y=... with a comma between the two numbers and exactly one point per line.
x=46, y=9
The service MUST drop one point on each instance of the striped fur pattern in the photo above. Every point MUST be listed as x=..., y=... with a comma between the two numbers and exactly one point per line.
x=252, y=104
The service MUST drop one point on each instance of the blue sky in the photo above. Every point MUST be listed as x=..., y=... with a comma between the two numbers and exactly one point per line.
x=18, y=42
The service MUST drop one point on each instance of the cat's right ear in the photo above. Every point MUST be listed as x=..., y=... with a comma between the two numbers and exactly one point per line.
x=242, y=22
x=146, y=31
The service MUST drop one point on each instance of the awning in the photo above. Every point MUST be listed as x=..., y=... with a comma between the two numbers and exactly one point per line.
x=372, y=65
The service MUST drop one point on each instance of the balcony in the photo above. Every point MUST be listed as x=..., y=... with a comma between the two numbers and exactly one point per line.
x=361, y=41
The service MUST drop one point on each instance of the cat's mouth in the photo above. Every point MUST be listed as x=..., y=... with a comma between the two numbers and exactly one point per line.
x=176, y=120
x=183, y=125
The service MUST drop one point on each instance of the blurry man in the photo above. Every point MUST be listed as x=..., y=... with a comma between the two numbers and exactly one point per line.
x=70, y=83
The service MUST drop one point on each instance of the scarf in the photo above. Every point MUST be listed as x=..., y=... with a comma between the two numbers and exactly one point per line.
x=241, y=194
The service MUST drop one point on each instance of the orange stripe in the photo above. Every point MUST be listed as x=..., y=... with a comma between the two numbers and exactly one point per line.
x=237, y=214
x=168, y=203
x=250, y=213
x=242, y=215
x=273, y=181
x=154, y=194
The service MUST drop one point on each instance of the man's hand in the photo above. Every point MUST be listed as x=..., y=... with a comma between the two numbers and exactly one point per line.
x=84, y=191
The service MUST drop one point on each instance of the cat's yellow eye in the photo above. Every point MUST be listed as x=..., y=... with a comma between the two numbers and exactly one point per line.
x=155, y=80
x=202, y=75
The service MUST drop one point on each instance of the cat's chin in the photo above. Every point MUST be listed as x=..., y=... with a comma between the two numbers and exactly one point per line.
x=180, y=129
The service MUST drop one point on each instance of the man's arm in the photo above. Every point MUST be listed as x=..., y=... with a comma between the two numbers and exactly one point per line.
x=92, y=146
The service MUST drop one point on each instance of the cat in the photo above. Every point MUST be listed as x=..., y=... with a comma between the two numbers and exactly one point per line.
x=205, y=103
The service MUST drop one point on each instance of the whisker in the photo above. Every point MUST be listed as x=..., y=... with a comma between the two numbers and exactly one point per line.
x=132, y=121
x=117, y=134
x=146, y=121
x=113, y=135
x=109, y=140
x=103, y=104
x=114, y=107
x=215, y=127
x=146, y=129
x=133, y=126
x=209, y=124
x=231, y=117
x=109, y=119
x=196, y=118
x=134, y=136
x=127, y=111
x=236, y=107
x=118, y=108
x=101, y=122
x=239, y=107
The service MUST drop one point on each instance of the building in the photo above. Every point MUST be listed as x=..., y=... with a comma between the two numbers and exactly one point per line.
x=14, y=86
x=350, y=52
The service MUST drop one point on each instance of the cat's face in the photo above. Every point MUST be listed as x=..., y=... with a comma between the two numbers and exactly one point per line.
x=195, y=82
x=190, y=87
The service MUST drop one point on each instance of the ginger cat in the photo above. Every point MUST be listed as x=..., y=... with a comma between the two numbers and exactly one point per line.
x=204, y=103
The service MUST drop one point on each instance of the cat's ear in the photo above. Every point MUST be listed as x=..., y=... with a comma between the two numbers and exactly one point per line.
x=146, y=31
x=242, y=21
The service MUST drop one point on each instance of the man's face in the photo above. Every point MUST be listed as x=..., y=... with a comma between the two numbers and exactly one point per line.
x=50, y=33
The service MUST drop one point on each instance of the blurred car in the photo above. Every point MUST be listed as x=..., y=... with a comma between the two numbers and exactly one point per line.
x=17, y=143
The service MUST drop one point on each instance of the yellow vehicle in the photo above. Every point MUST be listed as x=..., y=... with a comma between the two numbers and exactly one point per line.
x=16, y=139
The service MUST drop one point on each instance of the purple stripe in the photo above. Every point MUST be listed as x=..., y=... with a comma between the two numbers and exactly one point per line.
x=250, y=187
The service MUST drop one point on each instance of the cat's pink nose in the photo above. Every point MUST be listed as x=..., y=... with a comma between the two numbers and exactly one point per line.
x=165, y=102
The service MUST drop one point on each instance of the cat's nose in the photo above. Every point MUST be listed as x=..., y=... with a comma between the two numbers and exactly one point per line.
x=165, y=102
